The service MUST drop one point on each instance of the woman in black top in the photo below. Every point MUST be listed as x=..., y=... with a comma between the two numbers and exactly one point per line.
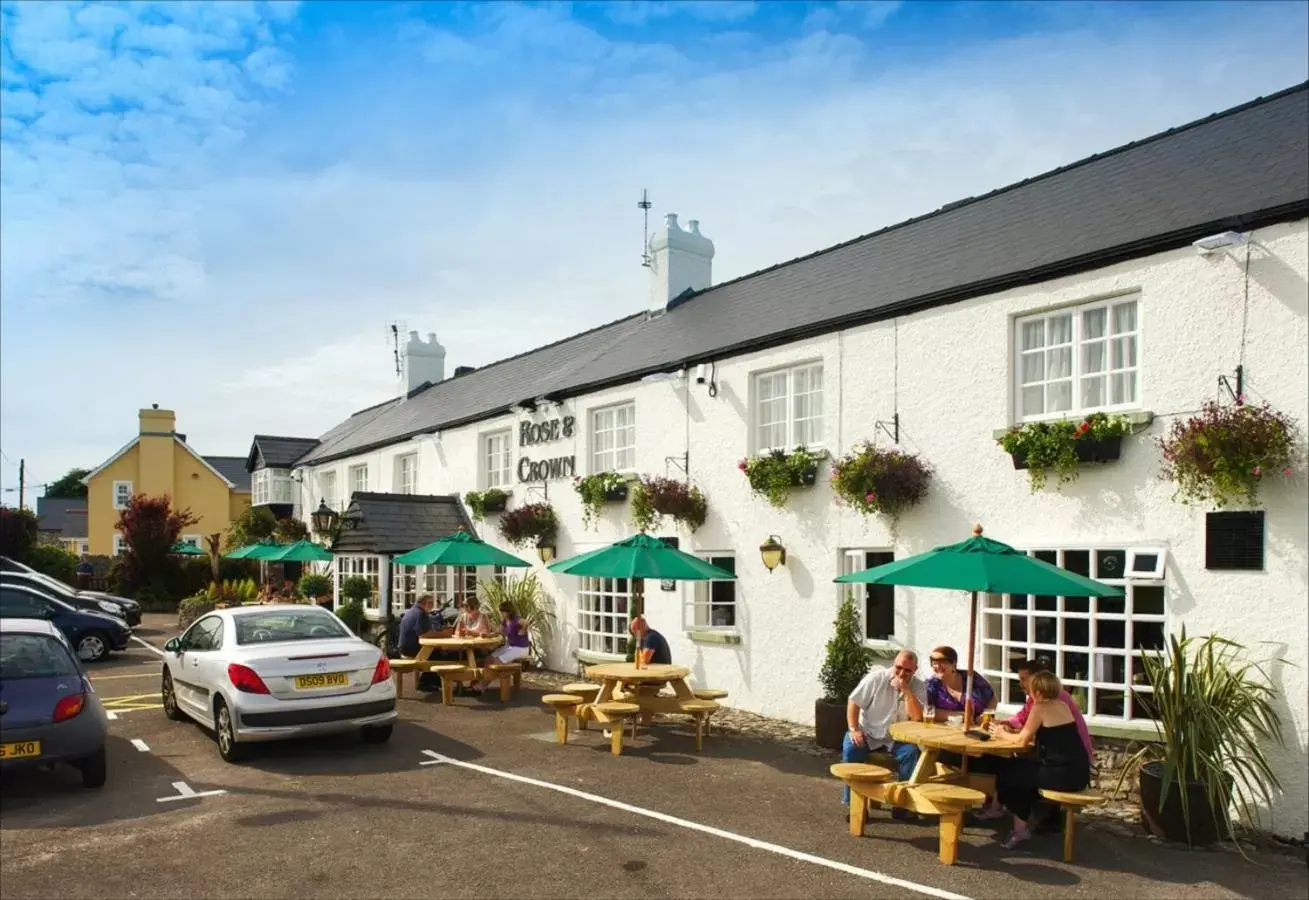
x=1061, y=763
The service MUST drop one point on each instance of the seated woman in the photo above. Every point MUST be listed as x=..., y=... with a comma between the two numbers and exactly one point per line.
x=517, y=644
x=472, y=622
x=1061, y=763
x=945, y=691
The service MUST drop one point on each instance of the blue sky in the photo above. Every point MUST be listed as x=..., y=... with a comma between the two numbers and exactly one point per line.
x=221, y=208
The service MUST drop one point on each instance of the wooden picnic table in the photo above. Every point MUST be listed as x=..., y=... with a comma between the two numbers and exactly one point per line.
x=470, y=645
x=933, y=739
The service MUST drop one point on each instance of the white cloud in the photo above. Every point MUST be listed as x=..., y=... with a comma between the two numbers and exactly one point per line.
x=173, y=232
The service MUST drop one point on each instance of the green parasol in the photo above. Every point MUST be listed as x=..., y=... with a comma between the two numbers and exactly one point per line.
x=460, y=549
x=182, y=548
x=641, y=556
x=259, y=551
x=301, y=551
x=981, y=564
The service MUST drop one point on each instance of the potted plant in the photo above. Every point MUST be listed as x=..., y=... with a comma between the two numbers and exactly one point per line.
x=534, y=523
x=1059, y=447
x=482, y=503
x=318, y=588
x=355, y=592
x=873, y=480
x=772, y=475
x=847, y=662
x=597, y=490
x=1214, y=715
x=654, y=497
x=1223, y=455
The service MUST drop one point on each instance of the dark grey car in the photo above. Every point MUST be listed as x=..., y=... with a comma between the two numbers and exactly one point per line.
x=49, y=713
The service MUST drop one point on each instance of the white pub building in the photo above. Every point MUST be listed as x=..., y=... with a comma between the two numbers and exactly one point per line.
x=1135, y=282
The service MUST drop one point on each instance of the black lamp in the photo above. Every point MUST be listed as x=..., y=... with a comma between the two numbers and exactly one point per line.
x=773, y=553
x=325, y=518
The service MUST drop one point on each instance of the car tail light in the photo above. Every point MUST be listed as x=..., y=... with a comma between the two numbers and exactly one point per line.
x=383, y=670
x=69, y=706
x=245, y=679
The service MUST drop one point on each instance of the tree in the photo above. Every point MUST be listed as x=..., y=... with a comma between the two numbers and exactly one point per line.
x=68, y=487
x=256, y=523
x=290, y=530
x=18, y=533
x=150, y=527
x=215, y=542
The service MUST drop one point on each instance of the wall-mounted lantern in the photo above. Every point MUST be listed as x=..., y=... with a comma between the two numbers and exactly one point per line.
x=325, y=518
x=773, y=553
x=546, y=552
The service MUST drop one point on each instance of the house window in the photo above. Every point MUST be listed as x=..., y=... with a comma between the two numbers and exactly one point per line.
x=602, y=615
x=327, y=489
x=122, y=494
x=613, y=439
x=788, y=408
x=498, y=459
x=404, y=586
x=260, y=492
x=358, y=479
x=446, y=584
x=1094, y=644
x=875, y=602
x=1077, y=360
x=500, y=575
x=713, y=603
x=368, y=567
x=406, y=474
x=120, y=545
x=195, y=540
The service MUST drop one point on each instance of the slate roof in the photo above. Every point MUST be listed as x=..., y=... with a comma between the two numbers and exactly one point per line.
x=398, y=523
x=233, y=469
x=63, y=516
x=1244, y=168
x=272, y=452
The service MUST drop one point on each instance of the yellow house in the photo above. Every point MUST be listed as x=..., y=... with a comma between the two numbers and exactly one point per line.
x=157, y=462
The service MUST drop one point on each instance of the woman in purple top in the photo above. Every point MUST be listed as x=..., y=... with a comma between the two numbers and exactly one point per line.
x=945, y=689
x=517, y=644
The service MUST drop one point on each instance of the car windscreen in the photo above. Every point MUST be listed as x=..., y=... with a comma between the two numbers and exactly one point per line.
x=33, y=656
x=288, y=625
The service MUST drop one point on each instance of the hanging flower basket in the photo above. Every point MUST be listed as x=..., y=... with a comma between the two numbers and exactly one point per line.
x=482, y=503
x=873, y=480
x=534, y=524
x=1058, y=448
x=654, y=497
x=1226, y=453
x=597, y=490
x=774, y=474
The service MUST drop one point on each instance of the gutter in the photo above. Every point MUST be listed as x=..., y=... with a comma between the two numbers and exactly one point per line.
x=1287, y=212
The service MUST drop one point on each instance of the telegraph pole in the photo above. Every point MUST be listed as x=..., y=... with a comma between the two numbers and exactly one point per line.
x=22, y=480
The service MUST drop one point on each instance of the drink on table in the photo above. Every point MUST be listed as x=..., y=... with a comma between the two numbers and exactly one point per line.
x=929, y=713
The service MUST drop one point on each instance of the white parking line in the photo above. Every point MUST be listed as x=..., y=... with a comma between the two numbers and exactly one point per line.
x=439, y=759
x=140, y=745
x=149, y=646
x=186, y=792
x=111, y=716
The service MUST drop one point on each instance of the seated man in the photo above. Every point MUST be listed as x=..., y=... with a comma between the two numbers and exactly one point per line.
x=649, y=639
x=883, y=697
x=418, y=622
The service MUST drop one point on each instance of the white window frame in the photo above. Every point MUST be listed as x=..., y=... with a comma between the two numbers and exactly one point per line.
x=995, y=640
x=603, y=616
x=270, y=486
x=120, y=544
x=855, y=559
x=406, y=464
x=1077, y=350
x=698, y=610
x=613, y=445
x=120, y=501
x=1138, y=555
x=368, y=565
x=357, y=478
x=814, y=439
x=327, y=489
x=498, y=459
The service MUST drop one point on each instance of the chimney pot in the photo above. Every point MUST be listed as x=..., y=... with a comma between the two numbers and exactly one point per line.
x=421, y=362
x=680, y=261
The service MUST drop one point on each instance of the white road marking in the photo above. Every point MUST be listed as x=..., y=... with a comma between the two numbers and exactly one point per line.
x=438, y=759
x=186, y=792
x=149, y=646
x=111, y=716
x=140, y=745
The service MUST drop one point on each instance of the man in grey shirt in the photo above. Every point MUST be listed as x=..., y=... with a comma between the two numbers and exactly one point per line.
x=885, y=696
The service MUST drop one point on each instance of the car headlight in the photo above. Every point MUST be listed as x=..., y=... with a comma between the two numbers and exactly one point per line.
x=112, y=608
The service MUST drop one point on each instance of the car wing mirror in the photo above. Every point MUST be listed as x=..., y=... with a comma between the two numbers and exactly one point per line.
x=172, y=645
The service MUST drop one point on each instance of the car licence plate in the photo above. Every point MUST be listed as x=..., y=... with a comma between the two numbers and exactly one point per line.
x=20, y=750
x=330, y=679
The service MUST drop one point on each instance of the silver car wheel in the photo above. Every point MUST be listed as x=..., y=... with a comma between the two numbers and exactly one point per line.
x=224, y=731
x=90, y=648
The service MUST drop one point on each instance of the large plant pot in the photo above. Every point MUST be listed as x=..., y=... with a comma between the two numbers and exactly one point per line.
x=829, y=724
x=494, y=504
x=1167, y=822
x=806, y=477
x=1088, y=451
x=616, y=494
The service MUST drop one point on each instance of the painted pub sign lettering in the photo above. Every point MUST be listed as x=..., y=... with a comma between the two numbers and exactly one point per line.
x=533, y=433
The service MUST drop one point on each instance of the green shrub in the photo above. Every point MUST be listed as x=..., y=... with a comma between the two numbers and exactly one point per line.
x=193, y=608
x=848, y=659
x=351, y=612
x=530, y=601
x=314, y=586
x=55, y=562
x=18, y=533
x=356, y=588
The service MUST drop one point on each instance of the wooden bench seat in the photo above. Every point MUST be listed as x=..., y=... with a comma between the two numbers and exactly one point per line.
x=402, y=667
x=709, y=694
x=508, y=674
x=1070, y=803
x=700, y=711
x=451, y=674
x=564, y=705
x=615, y=712
x=948, y=801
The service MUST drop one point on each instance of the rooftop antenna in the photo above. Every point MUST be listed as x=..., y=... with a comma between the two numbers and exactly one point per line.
x=396, y=328
x=644, y=205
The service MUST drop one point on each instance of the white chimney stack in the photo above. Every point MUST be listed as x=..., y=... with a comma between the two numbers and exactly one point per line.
x=679, y=260
x=421, y=361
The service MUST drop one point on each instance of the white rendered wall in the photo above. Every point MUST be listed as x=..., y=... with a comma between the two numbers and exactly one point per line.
x=954, y=389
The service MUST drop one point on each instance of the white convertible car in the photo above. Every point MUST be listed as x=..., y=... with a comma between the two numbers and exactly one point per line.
x=273, y=672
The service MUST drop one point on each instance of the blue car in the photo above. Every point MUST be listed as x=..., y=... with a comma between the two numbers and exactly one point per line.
x=48, y=711
x=93, y=634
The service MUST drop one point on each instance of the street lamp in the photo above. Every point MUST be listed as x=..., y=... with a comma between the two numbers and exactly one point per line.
x=325, y=518
x=773, y=553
